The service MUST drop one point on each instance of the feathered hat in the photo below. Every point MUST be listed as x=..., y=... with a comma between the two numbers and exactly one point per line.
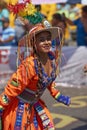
x=26, y=10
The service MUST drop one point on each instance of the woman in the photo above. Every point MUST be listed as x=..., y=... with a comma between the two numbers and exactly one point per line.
x=20, y=105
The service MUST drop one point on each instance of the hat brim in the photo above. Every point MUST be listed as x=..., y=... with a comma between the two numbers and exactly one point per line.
x=55, y=32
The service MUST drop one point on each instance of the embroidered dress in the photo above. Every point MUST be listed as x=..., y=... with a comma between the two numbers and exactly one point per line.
x=30, y=113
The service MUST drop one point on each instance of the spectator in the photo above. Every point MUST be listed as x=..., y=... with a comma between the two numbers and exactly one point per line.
x=58, y=21
x=81, y=24
x=19, y=29
x=22, y=26
x=3, y=13
x=8, y=34
x=38, y=7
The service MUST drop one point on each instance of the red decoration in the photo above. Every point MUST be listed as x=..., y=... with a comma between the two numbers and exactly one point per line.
x=17, y=7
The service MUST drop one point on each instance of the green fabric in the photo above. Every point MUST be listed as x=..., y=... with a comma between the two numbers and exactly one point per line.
x=15, y=83
x=34, y=19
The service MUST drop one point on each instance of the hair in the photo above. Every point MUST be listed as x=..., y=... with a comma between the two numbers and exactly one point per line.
x=39, y=86
x=84, y=8
x=57, y=16
x=38, y=7
x=3, y=4
x=60, y=18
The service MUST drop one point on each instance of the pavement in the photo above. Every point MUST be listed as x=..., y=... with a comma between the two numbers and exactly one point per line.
x=73, y=117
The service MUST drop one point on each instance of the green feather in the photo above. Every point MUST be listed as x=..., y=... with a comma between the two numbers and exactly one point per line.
x=36, y=18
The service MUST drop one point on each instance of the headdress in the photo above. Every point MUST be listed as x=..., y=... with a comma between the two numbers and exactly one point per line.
x=26, y=10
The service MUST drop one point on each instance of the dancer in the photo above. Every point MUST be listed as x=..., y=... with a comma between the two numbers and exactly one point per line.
x=21, y=107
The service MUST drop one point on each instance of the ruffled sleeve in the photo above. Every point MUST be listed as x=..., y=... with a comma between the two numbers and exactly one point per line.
x=19, y=80
x=58, y=96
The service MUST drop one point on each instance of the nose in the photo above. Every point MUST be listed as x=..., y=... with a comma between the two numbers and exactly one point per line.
x=47, y=42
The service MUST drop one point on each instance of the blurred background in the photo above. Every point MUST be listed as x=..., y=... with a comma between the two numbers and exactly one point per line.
x=72, y=10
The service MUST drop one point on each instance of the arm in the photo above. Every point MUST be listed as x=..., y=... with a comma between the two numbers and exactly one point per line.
x=16, y=84
x=67, y=20
x=7, y=40
x=57, y=95
x=11, y=36
x=70, y=22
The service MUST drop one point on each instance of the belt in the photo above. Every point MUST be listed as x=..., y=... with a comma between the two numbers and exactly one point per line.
x=30, y=96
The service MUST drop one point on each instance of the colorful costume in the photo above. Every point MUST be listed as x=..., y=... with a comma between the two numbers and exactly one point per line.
x=21, y=104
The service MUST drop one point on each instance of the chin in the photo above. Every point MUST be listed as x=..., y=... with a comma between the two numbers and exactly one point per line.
x=46, y=51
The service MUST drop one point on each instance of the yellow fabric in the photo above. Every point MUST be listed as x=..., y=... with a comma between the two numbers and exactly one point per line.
x=11, y=17
x=48, y=10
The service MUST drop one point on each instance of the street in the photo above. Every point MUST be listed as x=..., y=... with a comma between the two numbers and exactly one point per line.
x=73, y=117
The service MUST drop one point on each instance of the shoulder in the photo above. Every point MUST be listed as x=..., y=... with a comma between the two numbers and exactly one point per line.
x=27, y=65
x=5, y=13
x=29, y=61
x=9, y=29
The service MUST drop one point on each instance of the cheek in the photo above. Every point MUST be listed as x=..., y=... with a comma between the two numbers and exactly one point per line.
x=38, y=46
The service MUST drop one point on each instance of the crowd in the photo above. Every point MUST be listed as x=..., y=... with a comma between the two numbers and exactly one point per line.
x=9, y=36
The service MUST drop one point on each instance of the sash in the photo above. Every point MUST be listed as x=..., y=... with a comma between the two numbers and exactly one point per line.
x=30, y=96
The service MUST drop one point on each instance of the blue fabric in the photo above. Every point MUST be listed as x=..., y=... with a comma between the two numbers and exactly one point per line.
x=64, y=99
x=4, y=13
x=19, y=116
x=46, y=80
x=1, y=112
x=6, y=34
x=81, y=34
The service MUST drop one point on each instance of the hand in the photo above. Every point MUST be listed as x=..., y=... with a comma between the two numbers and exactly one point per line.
x=85, y=69
x=1, y=40
x=64, y=99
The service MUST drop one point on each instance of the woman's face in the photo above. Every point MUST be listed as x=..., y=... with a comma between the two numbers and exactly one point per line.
x=43, y=42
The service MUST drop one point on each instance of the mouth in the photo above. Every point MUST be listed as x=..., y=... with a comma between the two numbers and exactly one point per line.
x=47, y=47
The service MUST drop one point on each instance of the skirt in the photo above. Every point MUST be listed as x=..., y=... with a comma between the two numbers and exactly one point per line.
x=23, y=116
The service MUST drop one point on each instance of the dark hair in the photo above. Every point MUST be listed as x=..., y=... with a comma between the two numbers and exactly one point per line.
x=38, y=7
x=84, y=8
x=3, y=4
x=60, y=17
x=57, y=16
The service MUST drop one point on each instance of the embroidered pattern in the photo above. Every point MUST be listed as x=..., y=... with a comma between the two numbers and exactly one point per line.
x=19, y=115
x=57, y=95
x=45, y=79
x=5, y=99
x=35, y=122
x=43, y=116
x=14, y=83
